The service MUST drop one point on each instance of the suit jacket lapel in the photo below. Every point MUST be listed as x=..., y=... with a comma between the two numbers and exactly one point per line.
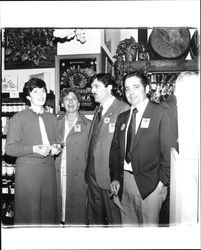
x=123, y=134
x=147, y=114
x=92, y=124
x=61, y=128
x=111, y=110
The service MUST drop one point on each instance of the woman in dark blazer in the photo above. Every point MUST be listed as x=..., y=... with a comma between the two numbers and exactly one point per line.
x=31, y=138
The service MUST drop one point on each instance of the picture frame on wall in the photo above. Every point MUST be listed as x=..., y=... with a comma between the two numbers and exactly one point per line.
x=76, y=71
x=107, y=64
x=29, y=48
x=107, y=39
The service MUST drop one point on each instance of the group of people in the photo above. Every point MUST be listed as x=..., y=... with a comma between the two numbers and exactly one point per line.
x=113, y=170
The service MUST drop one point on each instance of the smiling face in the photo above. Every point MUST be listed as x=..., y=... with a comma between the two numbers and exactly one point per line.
x=134, y=90
x=100, y=92
x=37, y=97
x=71, y=103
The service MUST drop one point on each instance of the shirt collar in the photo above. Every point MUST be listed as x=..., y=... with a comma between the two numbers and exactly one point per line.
x=37, y=113
x=107, y=104
x=141, y=106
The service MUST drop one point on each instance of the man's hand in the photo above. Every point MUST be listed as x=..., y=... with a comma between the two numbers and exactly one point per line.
x=114, y=187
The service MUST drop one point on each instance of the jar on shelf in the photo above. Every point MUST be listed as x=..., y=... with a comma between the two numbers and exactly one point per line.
x=10, y=170
x=19, y=108
x=12, y=188
x=4, y=168
x=9, y=108
x=15, y=108
x=5, y=188
x=4, y=108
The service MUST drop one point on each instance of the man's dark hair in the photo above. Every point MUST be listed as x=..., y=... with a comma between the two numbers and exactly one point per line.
x=108, y=79
x=30, y=85
x=140, y=74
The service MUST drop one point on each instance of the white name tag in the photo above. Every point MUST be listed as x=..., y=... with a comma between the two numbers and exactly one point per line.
x=111, y=127
x=145, y=122
x=77, y=128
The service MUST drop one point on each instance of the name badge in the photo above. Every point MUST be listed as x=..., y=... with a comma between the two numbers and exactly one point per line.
x=111, y=127
x=77, y=128
x=145, y=122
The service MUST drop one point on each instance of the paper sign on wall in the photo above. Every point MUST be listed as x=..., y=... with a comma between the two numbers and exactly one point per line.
x=9, y=83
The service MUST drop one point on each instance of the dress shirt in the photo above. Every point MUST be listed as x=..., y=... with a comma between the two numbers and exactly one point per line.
x=140, y=108
x=43, y=131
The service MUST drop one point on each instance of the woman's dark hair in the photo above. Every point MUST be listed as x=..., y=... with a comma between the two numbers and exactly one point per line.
x=65, y=92
x=140, y=74
x=30, y=85
x=108, y=79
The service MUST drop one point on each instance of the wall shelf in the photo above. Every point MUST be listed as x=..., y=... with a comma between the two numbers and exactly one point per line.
x=161, y=66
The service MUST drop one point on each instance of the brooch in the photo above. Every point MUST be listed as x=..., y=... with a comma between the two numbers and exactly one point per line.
x=106, y=120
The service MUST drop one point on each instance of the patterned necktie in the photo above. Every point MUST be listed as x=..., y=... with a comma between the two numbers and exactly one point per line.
x=95, y=125
x=98, y=117
x=130, y=136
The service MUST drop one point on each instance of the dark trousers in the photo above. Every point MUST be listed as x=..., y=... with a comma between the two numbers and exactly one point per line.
x=165, y=210
x=101, y=210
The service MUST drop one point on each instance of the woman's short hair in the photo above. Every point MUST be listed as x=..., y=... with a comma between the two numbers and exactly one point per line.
x=65, y=92
x=108, y=79
x=30, y=85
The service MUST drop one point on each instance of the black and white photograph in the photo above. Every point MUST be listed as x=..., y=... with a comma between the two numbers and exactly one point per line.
x=100, y=115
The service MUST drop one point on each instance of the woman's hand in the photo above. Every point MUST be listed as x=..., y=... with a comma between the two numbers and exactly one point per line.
x=43, y=150
x=55, y=148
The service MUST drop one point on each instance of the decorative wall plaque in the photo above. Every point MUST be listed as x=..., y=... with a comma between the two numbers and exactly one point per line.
x=76, y=72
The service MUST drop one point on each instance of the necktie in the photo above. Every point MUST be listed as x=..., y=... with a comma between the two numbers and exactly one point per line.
x=98, y=117
x=130, y=136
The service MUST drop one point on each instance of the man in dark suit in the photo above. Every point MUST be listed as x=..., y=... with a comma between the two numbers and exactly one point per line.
x=100, y=208
x=140, y=168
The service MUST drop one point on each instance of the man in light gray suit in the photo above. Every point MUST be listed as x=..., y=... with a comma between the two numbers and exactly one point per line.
x=101, y=210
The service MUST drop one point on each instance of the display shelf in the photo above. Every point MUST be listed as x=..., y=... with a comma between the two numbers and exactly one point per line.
x=160, y=66
x=10, y=106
